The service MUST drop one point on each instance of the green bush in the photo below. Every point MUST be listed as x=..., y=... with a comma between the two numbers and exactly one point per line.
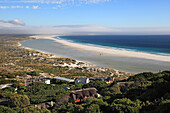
x=4, y=109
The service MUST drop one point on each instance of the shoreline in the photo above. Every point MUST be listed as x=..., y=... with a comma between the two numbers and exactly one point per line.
x=44, y=52
x=57, y=56
x=86, y=63
x=107, y=51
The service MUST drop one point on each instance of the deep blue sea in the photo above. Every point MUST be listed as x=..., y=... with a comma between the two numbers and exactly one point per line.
x=156, y=44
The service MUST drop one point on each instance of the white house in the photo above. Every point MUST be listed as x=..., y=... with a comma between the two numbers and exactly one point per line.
x=82, y=80
x=47, y=81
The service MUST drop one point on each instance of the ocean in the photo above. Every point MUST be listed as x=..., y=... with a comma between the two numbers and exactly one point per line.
x=155, y=44
x=151, y=44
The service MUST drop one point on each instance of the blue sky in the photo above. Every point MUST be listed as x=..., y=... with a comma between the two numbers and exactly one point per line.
x=108, y=13
x=113, y=13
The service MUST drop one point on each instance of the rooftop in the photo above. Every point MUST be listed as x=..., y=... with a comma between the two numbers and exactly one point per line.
x=64, y=79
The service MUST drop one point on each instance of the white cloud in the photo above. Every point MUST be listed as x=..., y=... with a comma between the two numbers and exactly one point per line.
x=4, y=7
x=35, y=7
x=19, y=27
x=7, y=7
x=11, y=23
x=55, y=3
x=16, y=22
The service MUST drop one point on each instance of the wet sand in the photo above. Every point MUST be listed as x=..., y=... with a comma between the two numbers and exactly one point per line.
x=128, y=64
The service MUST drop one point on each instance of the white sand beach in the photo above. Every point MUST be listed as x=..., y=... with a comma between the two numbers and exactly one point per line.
x=57, y=56
x=107, y=51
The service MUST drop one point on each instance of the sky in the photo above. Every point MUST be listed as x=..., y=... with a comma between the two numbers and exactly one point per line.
x=85, y=16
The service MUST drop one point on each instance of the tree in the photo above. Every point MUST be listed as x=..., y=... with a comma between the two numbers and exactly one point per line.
x=102, y=104
x=126, y=106
x=78, y=86
x=32, y=109
x=115, y=89
x=4, y=109
x=17, y=100
x=98, y=84
x=34, y=73
x=93, y=108
x=10, y=89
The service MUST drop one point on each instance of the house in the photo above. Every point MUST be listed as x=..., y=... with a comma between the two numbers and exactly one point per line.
x=81, y=95
x=5, y=85
x=37, y=79
x=109, y=79
x=47, y=81
x=82, y=80
x=32, y=80
x=64, y=79
x=128, y=83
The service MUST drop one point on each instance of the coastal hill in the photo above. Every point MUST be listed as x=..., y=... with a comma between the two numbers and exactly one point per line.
x=92, y=89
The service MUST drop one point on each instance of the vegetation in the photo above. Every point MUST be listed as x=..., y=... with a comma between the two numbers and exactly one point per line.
x=34, y=73
x=19, y=100
x=143, y=93
x=4, y=109
x=41, y=92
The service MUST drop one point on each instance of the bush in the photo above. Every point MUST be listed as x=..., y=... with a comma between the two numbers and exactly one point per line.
x=19, y=100
x=4, y=109
x=34, y=73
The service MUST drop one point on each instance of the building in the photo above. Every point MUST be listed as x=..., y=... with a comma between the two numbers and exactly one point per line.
x=5, y=85
x=37, y=79
x=64, y=79
x=125, y=83
x=47, y=81
x=81, y=95
x=82, y=80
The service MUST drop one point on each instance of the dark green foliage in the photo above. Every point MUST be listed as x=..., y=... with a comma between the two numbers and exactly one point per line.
x=111, y=92
x=126, y=106
x=41, y=92
x=150, y=93
x=102, y=105
x=10, y=89
x=93, y=108
x=32, y=109
x=99, y=85
x=162, y=107
x=77, y=86
x=3, y=81
x=17, y=100
x=142, y=76
x=5, y=94
x=34, y=73
x=149, y=86
x=4, y=109
x=71, y=108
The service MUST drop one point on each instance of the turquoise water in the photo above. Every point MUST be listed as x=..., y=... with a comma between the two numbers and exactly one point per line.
x=156, y=44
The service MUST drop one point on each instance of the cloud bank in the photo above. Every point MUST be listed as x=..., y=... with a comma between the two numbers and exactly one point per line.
x=19, y=27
